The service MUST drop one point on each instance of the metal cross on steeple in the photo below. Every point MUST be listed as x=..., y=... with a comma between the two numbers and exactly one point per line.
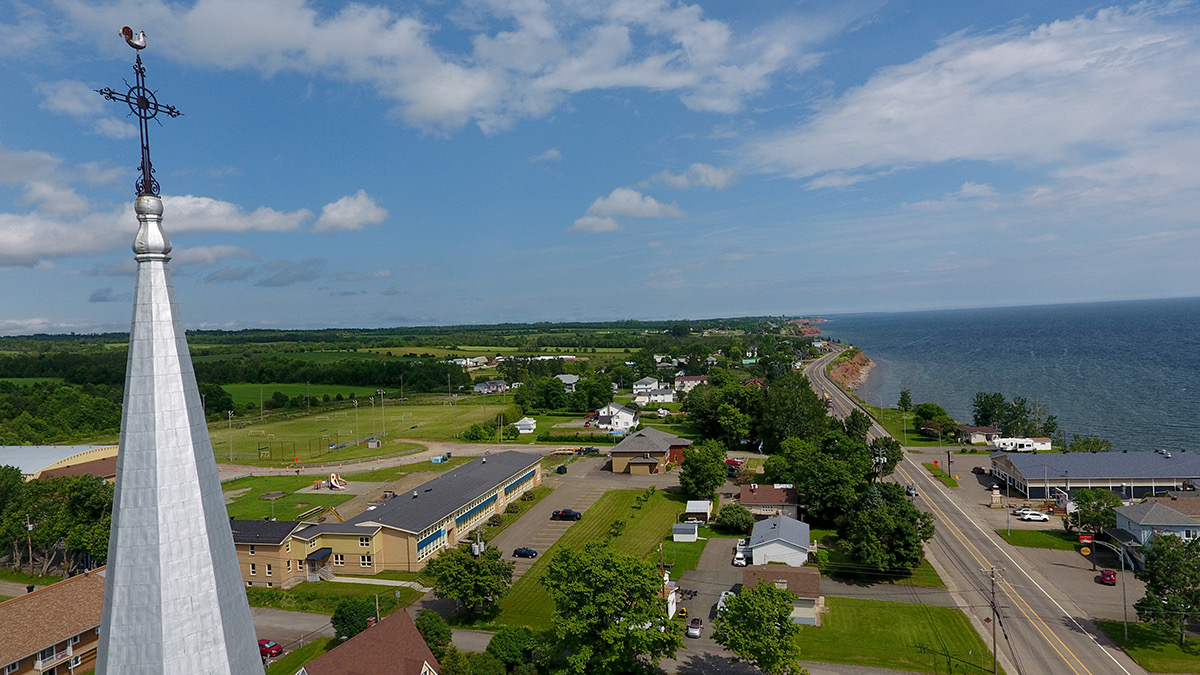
x=145, y=106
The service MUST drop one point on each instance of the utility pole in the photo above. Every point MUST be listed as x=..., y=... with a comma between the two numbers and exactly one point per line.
x=29, y=534
x=995, y=616
x=357, y=438
x=231, y=437
x=382, y=419
x=260, y=403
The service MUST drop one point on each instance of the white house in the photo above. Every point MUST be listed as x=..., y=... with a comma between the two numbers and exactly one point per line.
x=526, y=425
x=568, y=381
x=491, y=387
x=780, y=539
x=478, y=361
x=646, y=385
x=616, y=417
x=686, y=383
x=660, y=396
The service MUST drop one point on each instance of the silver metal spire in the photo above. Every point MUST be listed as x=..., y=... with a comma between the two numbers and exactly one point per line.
x=173, y=596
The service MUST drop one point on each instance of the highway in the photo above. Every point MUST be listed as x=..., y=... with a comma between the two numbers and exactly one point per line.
x=1040, y=630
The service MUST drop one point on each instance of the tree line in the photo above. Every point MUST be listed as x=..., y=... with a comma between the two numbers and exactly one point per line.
x=65, y=520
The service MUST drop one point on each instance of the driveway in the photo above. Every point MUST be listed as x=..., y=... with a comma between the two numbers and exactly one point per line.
x=290, y=629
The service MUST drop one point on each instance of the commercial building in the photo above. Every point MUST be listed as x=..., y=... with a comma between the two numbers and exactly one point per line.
x=1129, y=474
x=53, y=629
x=264, y=550
x=36, y=461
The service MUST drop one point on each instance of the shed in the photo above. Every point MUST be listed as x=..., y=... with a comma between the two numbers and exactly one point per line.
x=685, y=532
x=698, y=509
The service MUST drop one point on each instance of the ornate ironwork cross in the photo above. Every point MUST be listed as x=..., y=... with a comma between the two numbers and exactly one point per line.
x=145, y=106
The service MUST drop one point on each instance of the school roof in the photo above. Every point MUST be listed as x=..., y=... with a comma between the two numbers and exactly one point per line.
x=1152, y=513
x=265, y=532
x=105, y=467
x=50, y=615
x=31, y=459
x=1104, y=465
x=447, y=493
x=780, y=528
x=393, y=646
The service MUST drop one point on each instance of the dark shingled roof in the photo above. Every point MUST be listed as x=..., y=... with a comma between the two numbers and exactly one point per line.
x=262, y=531
x=649, y=440
x=805, y=582
x=447, y=493
x=1105, y=465
x=1151, y=513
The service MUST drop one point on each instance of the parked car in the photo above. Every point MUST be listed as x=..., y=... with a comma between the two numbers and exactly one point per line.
x=524, y=552
x=694, y=628
x=1022, y=510
x=269, y=648
x=1035, y=516
x=739, y=559
x=911, y=490
x=590, y=450
x=566, y=514
x=725, y=596
x=1108, y=577
x=978, y=469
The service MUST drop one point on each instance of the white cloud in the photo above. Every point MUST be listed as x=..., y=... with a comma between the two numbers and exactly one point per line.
x=629, y=203
x=288, y=272
x=971, y=190
x=188, y=213
x=551, y=155
x=352, y=212
x=1117, y=85
x=115, y=129
x=701, y=175
x=71, y=97
x=357, y=276
x=203, y=256
x=543, y=53
x=595, y=224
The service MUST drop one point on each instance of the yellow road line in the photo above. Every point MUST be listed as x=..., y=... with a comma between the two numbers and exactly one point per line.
x=1005, y=586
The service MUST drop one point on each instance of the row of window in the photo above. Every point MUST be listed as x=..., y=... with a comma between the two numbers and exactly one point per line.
x=45, y=655
x=287, y=547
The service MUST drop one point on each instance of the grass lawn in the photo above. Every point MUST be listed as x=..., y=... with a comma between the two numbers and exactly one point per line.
x=291, y=662
x=7, y=574
x=322, y=597
x=529, y=604
x=1055, y=539
x=1154, y=649
x=683, y=556
x=251, y=506
x=896, y=635
x=839, y=566
x=937, y=472
x=709, y=532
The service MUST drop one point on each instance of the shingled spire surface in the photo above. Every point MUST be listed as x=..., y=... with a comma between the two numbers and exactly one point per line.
x=173, y=596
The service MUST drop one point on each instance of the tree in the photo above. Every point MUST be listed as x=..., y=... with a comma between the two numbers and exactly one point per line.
x=609, y=613
x=733, y=423
x=434, y=629
x=928, y=411
x=988, y=409
x=791, y=409
x=905, y=403
x=478, y=583
x=1089, y=444
x=1094, y=509
x=1172, y=577
x=757, y=626
x=735, y=518
x=857, y=424
x=826, y=478
x=884, y=530
x=513, y=645
x=485, y=663
x=703, y=469
x=351, y=614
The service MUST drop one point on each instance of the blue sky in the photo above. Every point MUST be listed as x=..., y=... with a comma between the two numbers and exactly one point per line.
x=379, y=164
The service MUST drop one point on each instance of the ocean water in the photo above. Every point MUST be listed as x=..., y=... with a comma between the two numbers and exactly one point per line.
x=1128, y=372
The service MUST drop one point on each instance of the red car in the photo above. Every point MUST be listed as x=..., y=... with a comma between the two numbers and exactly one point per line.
x=1108, y=577
x=269, y=648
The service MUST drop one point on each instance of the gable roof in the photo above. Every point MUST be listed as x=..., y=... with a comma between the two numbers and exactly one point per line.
x=1153, y=513
x=393, y=646
x=1188, y=504
x=646, y=380
x=50, y=615
x=780, y=528
x=441, y=496
x=649, y=440
x=105, y=467
x=805, y=582
x=567, y=378
x=769, y=494
x=265, y=532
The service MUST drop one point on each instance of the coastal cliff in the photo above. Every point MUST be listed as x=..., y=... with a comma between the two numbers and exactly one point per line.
x=851, y=371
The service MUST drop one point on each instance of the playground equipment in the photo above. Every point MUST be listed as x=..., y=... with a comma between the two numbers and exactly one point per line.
x=336, y=482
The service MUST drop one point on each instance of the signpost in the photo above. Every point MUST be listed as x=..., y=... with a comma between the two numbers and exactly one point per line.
x=1085, y=538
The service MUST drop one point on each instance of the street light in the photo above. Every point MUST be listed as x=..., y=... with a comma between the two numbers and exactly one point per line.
x=356, y=436
x=231, y=437
x=382, y=418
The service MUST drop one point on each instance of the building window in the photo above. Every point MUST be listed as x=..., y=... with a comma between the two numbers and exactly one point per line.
x=253, y=569
x=365, y=542
x=366, y=561
x=270, y=584
x=10, y=668
x=289, y=565
x=287, y=548
x=268, y=569
x=73, y=640
x=339, y=559
x=46, y=654
x=251, y=549
x=76, y=661
x=249, y=584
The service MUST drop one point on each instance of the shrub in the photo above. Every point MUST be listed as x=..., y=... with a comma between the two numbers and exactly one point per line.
x=735, y=518
x=435, y=630
x=496, y=520
x=512, y=508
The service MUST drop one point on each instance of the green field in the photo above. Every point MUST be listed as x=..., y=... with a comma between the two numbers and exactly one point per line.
x=1154, y=649
x=322, y=597
x=1056, y=539
x=840, y=566
x=937, y=472
x=251, y=505
x=897, y=635
x=529, y=604
x=682, y=556
x=291, y=662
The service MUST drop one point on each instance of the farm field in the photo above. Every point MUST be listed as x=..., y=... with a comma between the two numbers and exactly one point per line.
x=529, y=604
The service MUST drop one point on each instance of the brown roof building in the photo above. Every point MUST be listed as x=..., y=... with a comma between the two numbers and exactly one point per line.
x=394, y=646
x=105, y=467
x=805, y=582
x=765, y=501
x=55, y=626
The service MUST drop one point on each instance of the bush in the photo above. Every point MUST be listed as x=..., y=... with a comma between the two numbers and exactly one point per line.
x=350, y=617
x=512, y=508
x=513, y=645
x=435, y=630
x=735, y=518
x=496, y=520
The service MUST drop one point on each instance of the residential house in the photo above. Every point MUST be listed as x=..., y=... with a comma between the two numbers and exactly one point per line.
x=780, y=539
x=55, y=629
x=393, y=646
x=1138, y=524
x=264, y=549
x=646, y=385
x=477, y=362
x=660, y=396
x=804, y=582
x=491, y=387
x=977, y=435
x=569, y=381
x=616, y=417
x=710, y=361
x=526, y=425
x=647, y=451
x=765, y=501
x=698, y=509
x=686, y=383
